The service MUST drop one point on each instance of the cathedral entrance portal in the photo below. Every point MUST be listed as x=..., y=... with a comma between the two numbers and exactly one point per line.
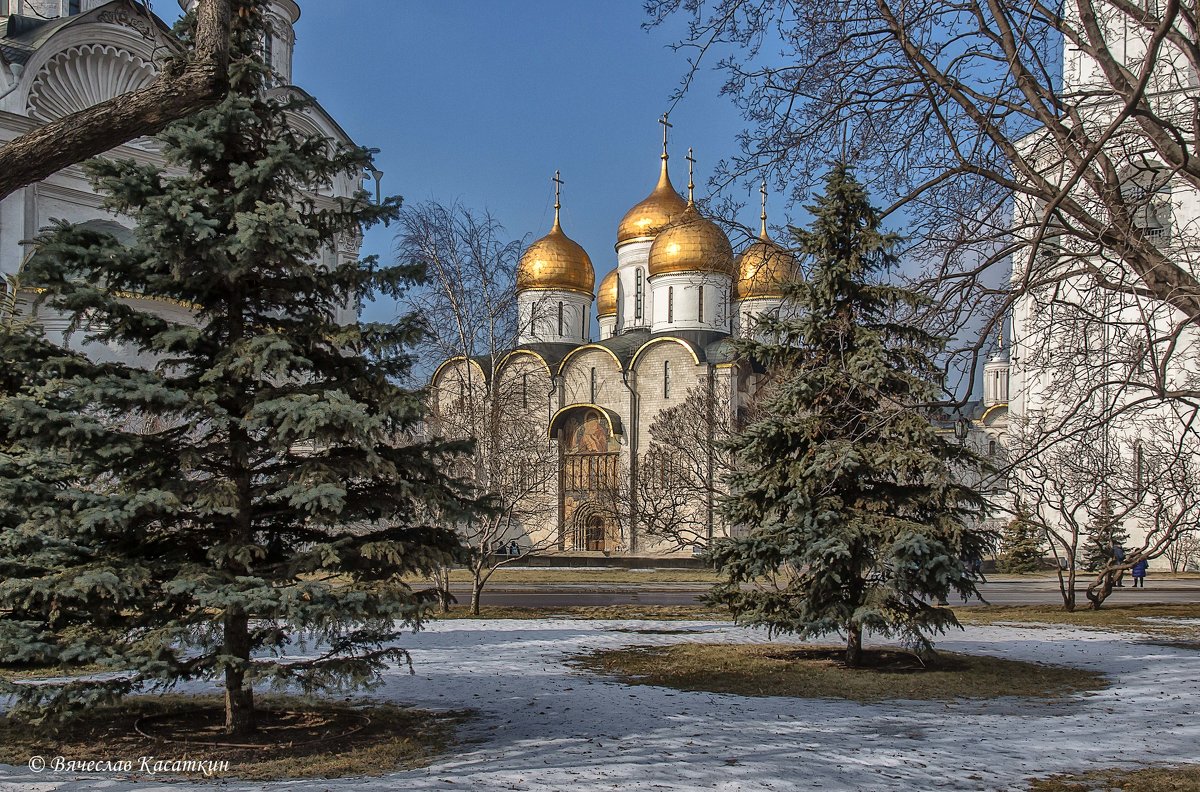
x=589, y=478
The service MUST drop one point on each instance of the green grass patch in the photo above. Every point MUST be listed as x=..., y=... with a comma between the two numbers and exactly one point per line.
x=818, y=672
x=298, y=738
x=1166, y=778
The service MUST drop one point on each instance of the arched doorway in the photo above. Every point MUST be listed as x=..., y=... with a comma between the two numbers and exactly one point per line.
x=589, y=476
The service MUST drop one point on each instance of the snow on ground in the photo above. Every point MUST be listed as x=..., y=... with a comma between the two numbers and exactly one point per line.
x=543, y=726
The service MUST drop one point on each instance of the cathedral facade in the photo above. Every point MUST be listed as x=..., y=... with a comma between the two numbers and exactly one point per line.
x=598, y=475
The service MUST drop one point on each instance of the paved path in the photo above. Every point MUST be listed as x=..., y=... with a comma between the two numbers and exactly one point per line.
x=997, y=592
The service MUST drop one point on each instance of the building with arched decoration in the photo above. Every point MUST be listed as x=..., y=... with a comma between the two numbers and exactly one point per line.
x=61, y=56
x=613, y=436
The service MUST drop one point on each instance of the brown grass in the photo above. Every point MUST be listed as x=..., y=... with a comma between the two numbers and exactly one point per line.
x=818, y=672
x=586, y=575
x=1174, y=778
x=395, y=738
x=1130, y=617
x=600, y=612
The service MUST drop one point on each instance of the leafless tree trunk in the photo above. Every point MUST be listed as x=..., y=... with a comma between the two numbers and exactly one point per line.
x=469, y=303
x=198, y=80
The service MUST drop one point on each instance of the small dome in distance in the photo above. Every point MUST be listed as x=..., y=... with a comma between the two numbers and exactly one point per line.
x=606, y=296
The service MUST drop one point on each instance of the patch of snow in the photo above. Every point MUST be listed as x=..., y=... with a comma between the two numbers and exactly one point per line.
x=543, y=725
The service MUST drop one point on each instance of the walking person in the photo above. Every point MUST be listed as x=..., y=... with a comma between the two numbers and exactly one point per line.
x=1138, y=572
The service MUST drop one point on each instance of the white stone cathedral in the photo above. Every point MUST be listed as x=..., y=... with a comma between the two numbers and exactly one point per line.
x=666, y=314
x=61, y=56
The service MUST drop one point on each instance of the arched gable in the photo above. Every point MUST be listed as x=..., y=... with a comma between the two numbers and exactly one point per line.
x=692, y=351
x=584, y=348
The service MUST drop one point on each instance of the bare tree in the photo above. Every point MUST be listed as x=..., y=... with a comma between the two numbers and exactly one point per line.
x=469, y=304
x=1153, y=481
x=1184, y=553
x=194, y=77
x=1005, y=131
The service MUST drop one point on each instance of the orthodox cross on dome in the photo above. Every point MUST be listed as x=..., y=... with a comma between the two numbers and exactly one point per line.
x=558, y=183
x=691, y=161
x=666, y=125
x=763, y=191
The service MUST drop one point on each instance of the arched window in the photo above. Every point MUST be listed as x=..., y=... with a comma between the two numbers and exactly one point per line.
x=670, y=304
x=525, y=389
x=592, y=388
x=666, y=379
x=700, y=304
x=638, y=293
x=560, y=319
x=991, y=448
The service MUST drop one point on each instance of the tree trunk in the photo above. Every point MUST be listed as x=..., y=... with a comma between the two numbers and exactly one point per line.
x=1066, y=585
x=201, y=83
x=476, y=590
x=854, y=646
x=239, y=697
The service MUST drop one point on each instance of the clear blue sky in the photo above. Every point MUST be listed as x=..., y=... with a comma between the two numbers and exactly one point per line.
x=481, y=101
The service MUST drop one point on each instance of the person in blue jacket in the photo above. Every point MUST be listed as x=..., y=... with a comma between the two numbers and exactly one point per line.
x=1139, y=573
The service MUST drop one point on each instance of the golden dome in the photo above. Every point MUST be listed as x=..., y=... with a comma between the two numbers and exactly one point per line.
x=606, y=295
x=691, y=243
x=556, y=262
x=763, y=268
x=653, y=213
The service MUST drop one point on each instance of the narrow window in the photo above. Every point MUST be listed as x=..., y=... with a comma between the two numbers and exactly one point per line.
x=700, y=305
x=670, y=304
x=1139, y=464
x=560, y=319
x=637, y=294
x=525, y=390
x=583, y=325
x=991, y=448
x=592, y=397
x=73, y=7
x=4, y=8
x=666, y=379
x=269, y=52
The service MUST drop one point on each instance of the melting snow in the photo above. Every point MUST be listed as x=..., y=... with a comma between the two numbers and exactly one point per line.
x=544, y=726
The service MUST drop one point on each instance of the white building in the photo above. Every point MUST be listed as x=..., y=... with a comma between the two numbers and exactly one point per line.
x=1093, y=360
x=61, y=56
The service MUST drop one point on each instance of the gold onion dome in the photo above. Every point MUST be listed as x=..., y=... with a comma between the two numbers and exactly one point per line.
x=606, y=296
x=653, y=212
x=556, y=262
x=691, y=243
x=763, y=269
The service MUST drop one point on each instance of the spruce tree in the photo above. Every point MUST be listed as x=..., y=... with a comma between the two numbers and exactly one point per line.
x=1022, y=543
x=262, y=486
x=1103, y=531
x=854, y=513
